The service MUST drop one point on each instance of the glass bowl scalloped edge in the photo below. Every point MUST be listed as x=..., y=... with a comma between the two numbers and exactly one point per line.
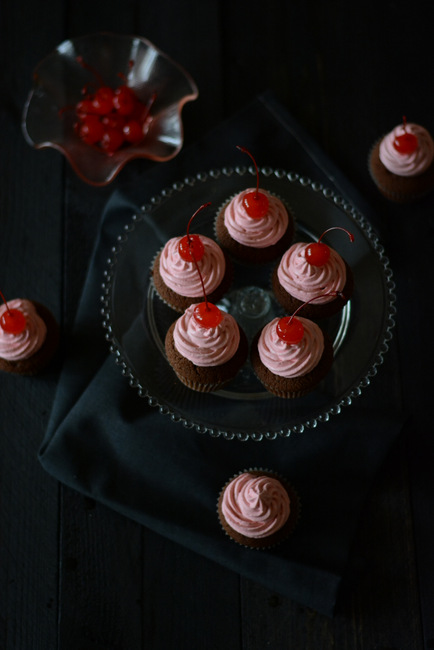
x=298, y=427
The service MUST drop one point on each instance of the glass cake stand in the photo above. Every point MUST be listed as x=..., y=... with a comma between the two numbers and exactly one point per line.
x=136, y=319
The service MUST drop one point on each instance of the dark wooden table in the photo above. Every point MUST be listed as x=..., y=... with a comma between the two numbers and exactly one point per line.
x=74, y=575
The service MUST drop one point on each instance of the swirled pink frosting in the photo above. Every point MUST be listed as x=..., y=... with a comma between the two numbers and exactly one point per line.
x=255, y=506
x=305, y=281
x=16, y=347
x=206, y=346
x=182, y=276
x=407, y=164
x=258, y=233
x=291, y=360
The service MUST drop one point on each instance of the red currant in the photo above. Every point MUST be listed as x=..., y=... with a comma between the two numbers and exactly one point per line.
x=317, y=254
x=13, y=321
x=290, y=329
x=256, y=204
x=207, y=315
x=191, y=248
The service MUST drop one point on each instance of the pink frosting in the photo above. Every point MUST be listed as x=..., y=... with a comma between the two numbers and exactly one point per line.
x=407, y=164
x=182, y=276
x=255, y=506
x=291, y=360
x=206, y=346
x=258, y=233
x=305, y=281
x=16, y=347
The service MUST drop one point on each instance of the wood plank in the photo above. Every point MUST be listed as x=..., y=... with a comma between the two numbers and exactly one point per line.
x=31, y=187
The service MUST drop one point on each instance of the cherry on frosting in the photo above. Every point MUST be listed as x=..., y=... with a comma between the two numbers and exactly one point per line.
x=317, y=254
x=256, y=203
x=207, y=315
x=190, y=247
x=290, y=329
x=12, y=321
x=406, y=142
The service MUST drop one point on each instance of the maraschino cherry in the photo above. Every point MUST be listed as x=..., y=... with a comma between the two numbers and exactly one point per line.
x=190, y=247
x=318, y=253
x=256, y=203
x=290, y=329
x=406, y=142
x=110, y=118
x=205, y=313
x=12, y=321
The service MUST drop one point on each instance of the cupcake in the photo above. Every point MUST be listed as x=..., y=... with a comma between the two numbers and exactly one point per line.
x=402, y=163
x=314, y=274
x=206, y=347
x=175, y=274
x=258, y=509
x=290, y=356
x=254, y=226
x=29, y=337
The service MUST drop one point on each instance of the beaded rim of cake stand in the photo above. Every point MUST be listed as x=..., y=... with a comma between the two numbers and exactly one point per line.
x=298, y=426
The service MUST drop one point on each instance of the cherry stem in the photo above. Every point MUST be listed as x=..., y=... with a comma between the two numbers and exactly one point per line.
x=202, y=207
x=86, y=66
x=404, y=123
x=244, y=150
x=4, y=300
x=321, y=295
x=350, y=235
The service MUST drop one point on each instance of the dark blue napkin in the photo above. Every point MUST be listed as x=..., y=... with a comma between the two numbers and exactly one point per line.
x=107, y=442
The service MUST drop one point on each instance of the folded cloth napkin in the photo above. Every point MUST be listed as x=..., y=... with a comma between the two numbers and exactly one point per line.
x=105, y=441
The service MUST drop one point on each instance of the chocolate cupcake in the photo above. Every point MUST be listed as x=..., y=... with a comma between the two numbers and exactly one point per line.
x=26, y=350
x=253, y=239
x=258, y=509
x=291, y=363
x=401, y=163
x=328, y=283
x=176, y=279
x=206, y=353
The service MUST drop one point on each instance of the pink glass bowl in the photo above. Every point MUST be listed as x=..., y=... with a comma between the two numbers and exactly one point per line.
x=58, y=81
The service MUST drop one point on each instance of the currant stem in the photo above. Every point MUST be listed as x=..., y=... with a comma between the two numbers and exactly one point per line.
x=244, y=150
x=350, y=235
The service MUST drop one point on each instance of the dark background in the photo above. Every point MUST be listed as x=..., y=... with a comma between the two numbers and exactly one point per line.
x=75, y=575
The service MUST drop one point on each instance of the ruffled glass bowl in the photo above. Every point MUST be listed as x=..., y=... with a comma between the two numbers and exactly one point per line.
x=58, y=81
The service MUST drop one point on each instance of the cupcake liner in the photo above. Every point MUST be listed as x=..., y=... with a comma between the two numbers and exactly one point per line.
x=411, y=188
x=185, y=301
x=279, y=536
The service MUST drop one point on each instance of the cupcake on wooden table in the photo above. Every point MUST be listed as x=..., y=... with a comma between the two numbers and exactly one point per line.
x=174, y=270
x=402, y=163
x=29, y=336
x=290, y=356
x=205, y=346
x=258, y=509
x=254, y=226
x=313, y=275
